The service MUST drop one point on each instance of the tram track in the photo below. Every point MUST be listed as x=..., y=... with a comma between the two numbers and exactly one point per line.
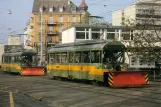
x=127, y=93
x=109, y=91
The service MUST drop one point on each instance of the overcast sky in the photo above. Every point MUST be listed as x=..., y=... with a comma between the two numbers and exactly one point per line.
x=21, y=9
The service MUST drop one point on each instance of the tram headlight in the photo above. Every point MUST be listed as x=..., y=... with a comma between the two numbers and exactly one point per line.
x=48, y=72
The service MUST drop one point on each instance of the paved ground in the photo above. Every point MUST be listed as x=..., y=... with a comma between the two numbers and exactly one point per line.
x=69, y=94
x=9, y=99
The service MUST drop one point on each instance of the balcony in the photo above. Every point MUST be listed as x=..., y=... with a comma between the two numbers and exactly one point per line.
x=50, y=44
x=52, y=33
x=32, y=15
x=51, y=23
x=31, y=24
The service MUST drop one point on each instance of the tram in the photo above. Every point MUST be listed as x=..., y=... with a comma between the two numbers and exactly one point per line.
x=99, y=61
x=23, y=62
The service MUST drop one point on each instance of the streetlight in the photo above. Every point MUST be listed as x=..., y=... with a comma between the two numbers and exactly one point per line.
x=41, y=54
x=9, y=11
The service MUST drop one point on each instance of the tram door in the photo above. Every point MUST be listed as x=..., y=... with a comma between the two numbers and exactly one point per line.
x=71, y=61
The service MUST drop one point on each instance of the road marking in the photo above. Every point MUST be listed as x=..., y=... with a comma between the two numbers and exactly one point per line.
x=11, y=99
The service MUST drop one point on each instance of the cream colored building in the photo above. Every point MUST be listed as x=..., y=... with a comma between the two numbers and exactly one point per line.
x=14, y=40
x=1, y=52
x=141, y=13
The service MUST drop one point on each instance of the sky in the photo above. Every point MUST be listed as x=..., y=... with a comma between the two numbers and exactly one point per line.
x=21, y=10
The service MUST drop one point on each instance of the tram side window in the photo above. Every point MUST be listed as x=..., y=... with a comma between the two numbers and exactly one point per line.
x=52, y=58
x=58, y=57
x=4, y=59
x=78, y=57
x=95, y=57
x=86, y=57
x=9, y=59
x=17, y=59
x=64, y=57
x=12, y=59
x=71, y=57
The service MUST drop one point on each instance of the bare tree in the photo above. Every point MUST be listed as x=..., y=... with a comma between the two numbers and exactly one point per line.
x=146, y=34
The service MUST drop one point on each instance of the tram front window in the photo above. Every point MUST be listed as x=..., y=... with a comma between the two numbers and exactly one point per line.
x=27, y=60
x=113, y=59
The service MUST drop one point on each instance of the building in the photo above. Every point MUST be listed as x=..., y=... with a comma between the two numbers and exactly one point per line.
x=82, y=32
x=49, y=17
x=27, y=38
x=140, y=13
x=14, y=40
x=145, y=15
x=1, y=52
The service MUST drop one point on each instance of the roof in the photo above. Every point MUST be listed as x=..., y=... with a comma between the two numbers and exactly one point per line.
x=19, y=52
x=11, y=47
x=88, y=45
x=93, y=26
x=52, y=3
x=83, y=4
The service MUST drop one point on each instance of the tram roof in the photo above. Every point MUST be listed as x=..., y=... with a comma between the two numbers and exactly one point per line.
x=86, y=45
x=19, y=52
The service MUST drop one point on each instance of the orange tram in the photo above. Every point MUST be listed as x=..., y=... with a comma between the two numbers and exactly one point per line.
x=23, y=62
x=96, y=61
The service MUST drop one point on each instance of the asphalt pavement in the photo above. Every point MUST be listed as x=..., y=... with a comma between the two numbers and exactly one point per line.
x=9, y=99
x=40, y=91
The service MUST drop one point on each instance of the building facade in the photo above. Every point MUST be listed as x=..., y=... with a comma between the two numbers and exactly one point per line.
x=14, y=40
x=1, y=52
x=139, y=13
x=82, y=32
x=27, y=38
x=49, y=17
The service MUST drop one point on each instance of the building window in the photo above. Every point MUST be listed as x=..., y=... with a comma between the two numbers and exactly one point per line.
x=60, y=28
x=96, y=33
x=61, y=8
x=110, y=36
x=40, y=9
x=73, y=9
x=50, y=9
x=40, y=18
x=73, y=19
x=39, y=37
x=60, y=18
x=39, y=48
x=60, y=37
x=50, y=29
x=68, y=19
x=50, y=19
x=82, y=33
x=50, y=39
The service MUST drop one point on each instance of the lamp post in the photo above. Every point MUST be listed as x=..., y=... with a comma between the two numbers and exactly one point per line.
x=41, y=54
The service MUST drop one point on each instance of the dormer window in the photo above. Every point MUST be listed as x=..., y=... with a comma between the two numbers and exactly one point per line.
x=73, y=9
x=61, y=9
x=41, y=8
x=50, y=9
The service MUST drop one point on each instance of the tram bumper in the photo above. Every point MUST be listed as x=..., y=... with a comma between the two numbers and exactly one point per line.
x=32, y=71
x=128, y=78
